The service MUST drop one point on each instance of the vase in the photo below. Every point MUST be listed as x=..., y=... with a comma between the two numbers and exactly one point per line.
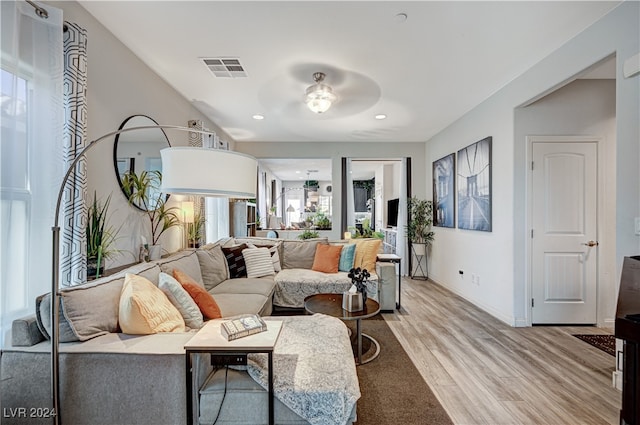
x=155, y=252
x=364, y=296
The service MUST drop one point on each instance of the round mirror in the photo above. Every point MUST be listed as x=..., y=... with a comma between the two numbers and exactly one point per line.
x=136, y=154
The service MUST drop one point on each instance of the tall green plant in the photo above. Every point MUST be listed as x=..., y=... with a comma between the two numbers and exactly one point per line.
x=195, y=229
x=420, y=221
x=101, y=238
x=144, y=191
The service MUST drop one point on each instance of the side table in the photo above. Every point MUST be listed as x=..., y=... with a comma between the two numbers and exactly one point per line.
x=396, y=259
x=209, y=340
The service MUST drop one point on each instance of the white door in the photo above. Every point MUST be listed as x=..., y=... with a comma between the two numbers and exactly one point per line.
x=564, y=232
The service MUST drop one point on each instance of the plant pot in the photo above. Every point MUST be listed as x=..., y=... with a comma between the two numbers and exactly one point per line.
x=420, y=249
x=92, y=265
x=155, y=252
x=194, y=244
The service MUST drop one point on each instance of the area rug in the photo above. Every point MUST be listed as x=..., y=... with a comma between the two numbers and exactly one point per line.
x=606, y=343
x=393, y=391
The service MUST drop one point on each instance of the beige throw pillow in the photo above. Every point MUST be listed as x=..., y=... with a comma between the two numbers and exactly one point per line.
x=145, y=309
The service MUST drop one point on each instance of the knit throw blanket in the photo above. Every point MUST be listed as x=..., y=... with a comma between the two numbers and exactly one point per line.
x=314, y=370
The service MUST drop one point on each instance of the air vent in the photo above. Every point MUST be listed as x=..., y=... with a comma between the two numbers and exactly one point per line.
x=225, y=67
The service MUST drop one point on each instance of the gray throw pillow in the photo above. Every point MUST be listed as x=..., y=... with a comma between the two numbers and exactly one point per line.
x=181, y=299
x=43, y=319
x=300, y=254
x=213, y=265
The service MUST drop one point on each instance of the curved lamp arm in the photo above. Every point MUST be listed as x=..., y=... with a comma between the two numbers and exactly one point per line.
x=55, y=280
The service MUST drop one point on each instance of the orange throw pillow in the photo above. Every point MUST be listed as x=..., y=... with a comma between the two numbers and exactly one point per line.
x=327, y=258
x=206, y=303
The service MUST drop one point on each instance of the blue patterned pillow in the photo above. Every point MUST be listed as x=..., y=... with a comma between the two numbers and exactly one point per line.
x=347, y=256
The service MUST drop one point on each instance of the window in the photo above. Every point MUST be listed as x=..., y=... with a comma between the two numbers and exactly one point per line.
x=31, y=123
x=15, y=196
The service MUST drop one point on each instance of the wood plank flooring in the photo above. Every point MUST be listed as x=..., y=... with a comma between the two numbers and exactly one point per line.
x=485, y=372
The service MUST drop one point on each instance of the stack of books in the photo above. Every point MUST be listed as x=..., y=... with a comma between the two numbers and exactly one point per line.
x=241, y=326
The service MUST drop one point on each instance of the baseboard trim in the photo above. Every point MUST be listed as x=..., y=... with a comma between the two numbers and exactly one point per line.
x=511, y=321
x=521, y=323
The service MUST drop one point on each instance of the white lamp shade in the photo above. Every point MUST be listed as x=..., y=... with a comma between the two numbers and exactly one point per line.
x=208, y=172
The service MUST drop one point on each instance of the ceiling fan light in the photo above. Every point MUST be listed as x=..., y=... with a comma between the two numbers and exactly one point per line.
x=319, y=97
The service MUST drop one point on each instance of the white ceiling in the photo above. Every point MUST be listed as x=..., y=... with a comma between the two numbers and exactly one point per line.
x=423, y=73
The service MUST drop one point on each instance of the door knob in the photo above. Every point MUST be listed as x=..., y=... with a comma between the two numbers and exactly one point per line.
x=591, y=244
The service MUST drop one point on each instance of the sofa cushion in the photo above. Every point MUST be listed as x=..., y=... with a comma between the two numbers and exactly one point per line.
x=234, y=304
x=258, y=262
x=347, y=257
x=213, y=265
x=327, y=258
x=235, y=260
x=367, y=251
x=186, y=261
x=294, y=285
x=244, y=285
x=205, y=301
x=145, y=309
x=300, y=254
x=92, y=309
x=181, y=300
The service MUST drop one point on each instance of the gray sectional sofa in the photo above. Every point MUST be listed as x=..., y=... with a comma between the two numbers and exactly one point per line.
x=114, y=378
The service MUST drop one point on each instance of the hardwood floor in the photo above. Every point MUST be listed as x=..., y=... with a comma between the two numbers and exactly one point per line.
x=486, y=372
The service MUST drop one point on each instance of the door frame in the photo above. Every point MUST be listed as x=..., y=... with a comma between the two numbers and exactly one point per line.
x=529, y=214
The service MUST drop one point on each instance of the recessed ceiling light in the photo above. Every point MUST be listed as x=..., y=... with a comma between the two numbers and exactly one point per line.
x=380, y=116
x=258, y=117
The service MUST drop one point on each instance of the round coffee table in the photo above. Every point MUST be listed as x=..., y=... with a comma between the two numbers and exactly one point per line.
x=331, y=305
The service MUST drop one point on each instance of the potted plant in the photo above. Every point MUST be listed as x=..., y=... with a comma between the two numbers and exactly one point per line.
x=366, y=231
x=322, y=222
x=308, y=234
x=100, y=237
x=144, y=191
x=419, y=226
x=195, y=230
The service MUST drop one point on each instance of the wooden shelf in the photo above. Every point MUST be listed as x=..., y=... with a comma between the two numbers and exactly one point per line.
x=242, y=218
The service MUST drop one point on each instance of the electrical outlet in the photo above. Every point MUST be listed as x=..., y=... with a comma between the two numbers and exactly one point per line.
x=478, y=279
x=637, y=226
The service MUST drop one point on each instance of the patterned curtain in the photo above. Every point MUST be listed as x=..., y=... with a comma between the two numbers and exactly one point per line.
x=73, y=264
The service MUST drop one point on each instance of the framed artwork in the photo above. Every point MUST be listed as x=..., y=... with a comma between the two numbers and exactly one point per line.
x=474, y=186
x=444, y=173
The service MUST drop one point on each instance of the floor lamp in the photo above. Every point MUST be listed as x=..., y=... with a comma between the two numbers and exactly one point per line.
x=186, y=170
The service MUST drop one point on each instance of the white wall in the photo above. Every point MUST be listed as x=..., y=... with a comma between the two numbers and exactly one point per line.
x=581, y=108
x=120, y=85
x=335, y=151
x=497, y=257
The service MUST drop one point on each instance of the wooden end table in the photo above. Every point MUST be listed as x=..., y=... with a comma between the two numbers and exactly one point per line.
x=209, y=340
x=331, y=305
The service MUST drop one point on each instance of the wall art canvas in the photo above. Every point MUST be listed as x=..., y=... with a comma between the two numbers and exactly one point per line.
x=474, y=186
x=444, y=177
